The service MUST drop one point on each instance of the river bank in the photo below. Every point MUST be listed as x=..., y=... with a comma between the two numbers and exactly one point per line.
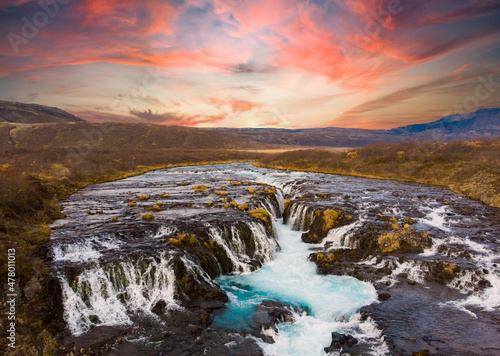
x=412, y=243
x=471, y=168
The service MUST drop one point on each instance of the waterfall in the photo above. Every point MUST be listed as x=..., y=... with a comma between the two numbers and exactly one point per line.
x=300, y=219
x=340, y=238
x=238, y=252
x=84, y=250
x=231, y=249
x=108, y=295
x=265, y=246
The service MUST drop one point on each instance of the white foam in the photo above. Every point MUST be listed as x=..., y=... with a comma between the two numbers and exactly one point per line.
x=85, y=250
x=114, y=292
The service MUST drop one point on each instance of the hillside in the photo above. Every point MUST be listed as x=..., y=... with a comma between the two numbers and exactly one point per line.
x=106, y=136
x=482, y=123
x=33, y=113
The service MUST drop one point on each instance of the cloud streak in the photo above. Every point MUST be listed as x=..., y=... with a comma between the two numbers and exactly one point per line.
x=291, y=54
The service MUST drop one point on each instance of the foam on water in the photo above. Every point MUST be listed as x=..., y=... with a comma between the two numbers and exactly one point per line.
x=292, y=278
x=114, y=292
x=340, y=237
x=85, y=250
x=436, y=218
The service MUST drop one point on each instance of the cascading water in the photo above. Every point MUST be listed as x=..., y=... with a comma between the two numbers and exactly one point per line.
x=114, y=268
x=332, y=301
x=108, y=295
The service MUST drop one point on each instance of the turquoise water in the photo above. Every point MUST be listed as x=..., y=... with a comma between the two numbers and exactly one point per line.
x=292, y=278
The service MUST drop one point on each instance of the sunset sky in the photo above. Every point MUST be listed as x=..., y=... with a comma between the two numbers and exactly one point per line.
x=258, y=63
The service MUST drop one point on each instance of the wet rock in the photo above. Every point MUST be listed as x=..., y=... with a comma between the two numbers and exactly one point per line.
x=323, y=222
x=384, y=297
x=159, y=307
x=94, y=319
x=341, y=342
x=269, y=313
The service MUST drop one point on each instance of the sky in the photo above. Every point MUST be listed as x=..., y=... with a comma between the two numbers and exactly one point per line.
x=374, y=64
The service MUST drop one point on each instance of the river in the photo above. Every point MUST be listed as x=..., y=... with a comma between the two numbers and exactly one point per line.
x=398, y=263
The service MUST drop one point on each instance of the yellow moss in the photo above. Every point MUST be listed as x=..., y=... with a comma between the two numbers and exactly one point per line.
x=221, y=192
x=261, y=214
x=156, y=207
x=209, y=203
x=236, y=183
x=233, y=203
x=201, y=188
x=175, y=241
x=243, y=207
x=389, y=242
x=321, y=195
x=227, y=206
x=192, y=240
x=143, y=197
x=330, y=219
x=147, y=216
x=159, y=203
x=287, y=203
x=407, y=226
x=45, y=231
x=251, y=190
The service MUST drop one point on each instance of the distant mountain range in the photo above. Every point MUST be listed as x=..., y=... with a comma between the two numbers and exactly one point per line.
x=68, y=129
x=33, y=113
x=482, y=123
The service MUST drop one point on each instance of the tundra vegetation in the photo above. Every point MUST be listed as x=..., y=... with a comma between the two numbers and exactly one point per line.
x=33, y=181
x=471, y=168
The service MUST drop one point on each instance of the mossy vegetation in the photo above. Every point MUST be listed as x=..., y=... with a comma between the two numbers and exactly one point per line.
x=34, y=180
x=471, y=168
x=261, y=214
x=147, y=216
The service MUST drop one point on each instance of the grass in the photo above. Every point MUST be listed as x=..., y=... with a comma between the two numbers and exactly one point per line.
x=471, y=168
x=34, y=180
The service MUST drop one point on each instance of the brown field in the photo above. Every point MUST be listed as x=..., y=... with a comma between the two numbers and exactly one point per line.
x=472, y=168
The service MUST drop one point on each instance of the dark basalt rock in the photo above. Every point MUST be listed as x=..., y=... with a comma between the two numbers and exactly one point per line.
x=341, y=342
x=384, y=297
x=270, y=313
x=323, y=222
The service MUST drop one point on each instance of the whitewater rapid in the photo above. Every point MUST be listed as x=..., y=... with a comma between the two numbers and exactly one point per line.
x=291, y=278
